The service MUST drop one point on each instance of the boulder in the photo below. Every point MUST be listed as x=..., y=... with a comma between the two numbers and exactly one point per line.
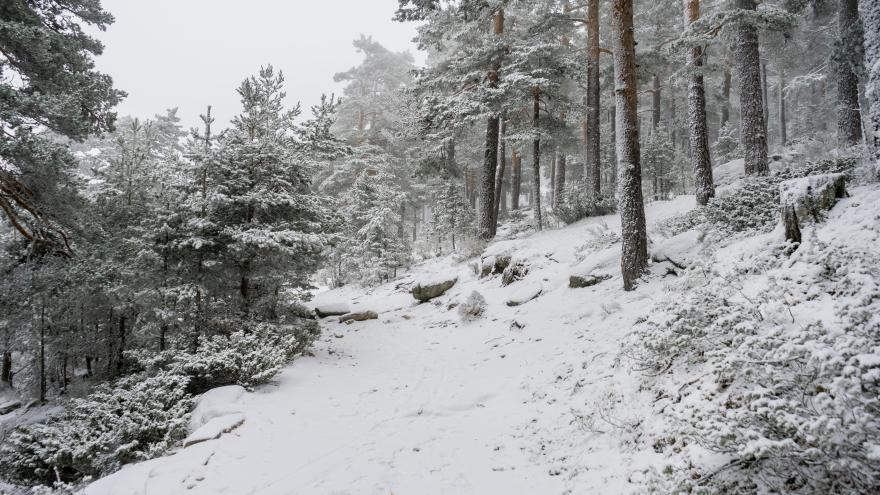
x=581, y=281
x=217, y=402
x=807, y=198
x=513, y=272
x=502, y=262
x=359, y=316
x=214, y=428
x=429, y=289
x=331, y=309
x=524, y=295
x=9, y=406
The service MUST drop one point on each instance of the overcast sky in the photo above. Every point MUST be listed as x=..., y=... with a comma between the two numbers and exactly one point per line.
x=192, y=53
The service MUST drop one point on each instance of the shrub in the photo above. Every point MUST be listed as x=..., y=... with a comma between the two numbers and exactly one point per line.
x=580, y=203
x=138, y=418
x=753, y=207
x=779, y=382
x=473, y=308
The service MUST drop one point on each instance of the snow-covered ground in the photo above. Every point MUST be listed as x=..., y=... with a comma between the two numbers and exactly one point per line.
x=419, y=402
x=526, y=399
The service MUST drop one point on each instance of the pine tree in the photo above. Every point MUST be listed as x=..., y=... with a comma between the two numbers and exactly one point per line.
x=699, y=134
x=850, y=39
x=748, y=70
x=871, y=18
x=634, y=258
x=272, y=228
x=49, y=83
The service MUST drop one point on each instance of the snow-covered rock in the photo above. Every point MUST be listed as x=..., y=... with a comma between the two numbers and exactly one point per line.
x=433, y=286
x=359, y=316
x=807, y=199
x=587, y=280
x=331, y=309
x=215, y=403
x=214, y=428
x=524, y=294
x=679, y=250
x=8, y=406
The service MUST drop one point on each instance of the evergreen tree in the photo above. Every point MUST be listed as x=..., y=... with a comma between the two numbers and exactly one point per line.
x=49, y=83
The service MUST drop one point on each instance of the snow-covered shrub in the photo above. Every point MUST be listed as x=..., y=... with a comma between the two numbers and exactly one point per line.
x=580, y=203
x=473, y=308
x=774, y=384
x=138, y=417
x=727, y=147
x=247, y=357
x=600, y=237
x=753, y=206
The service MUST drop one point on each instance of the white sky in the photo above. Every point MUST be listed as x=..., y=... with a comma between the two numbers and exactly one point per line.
x=192, y=53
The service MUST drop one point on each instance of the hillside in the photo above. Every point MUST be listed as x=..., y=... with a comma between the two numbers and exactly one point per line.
x=527, y=399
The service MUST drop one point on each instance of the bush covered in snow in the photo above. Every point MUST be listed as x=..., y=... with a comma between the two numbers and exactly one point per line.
x=580, y=203
x=473, y=308
x=142, y=415
x=753, y=206
x=139, y=417
x=771, y=382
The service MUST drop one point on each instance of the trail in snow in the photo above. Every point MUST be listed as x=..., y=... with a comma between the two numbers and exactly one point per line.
x=419, y=403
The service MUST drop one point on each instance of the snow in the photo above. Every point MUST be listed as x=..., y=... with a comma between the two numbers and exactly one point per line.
x=216, y=403
x=420, y=402
x=332, y=308
x=214, y=428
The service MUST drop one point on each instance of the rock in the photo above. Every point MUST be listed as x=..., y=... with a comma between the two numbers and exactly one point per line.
x=524, y=295
x=217, y=402
x=9, y=406
x=581, y=281
x=502, y=262
x=359, y=316
x=429, y=289
x=679, y=250
x=513, y=272
x=215, y=428
x=807, y=198
x=487, y=265
x=331, y=309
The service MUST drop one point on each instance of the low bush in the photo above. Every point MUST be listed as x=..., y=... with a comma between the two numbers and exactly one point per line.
x=473, y=307
x=580, y=203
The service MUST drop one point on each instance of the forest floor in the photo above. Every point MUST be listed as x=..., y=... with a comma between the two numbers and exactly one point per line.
x=531, y=399
x=419, y=402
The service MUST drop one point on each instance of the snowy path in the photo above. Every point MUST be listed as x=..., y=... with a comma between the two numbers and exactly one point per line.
x=419, y=403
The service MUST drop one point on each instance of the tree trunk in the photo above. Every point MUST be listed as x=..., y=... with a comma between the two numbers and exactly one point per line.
x=559, y=182
x=634, y=258
x=536, y=159
x=764, y=101
x=486, y=212
x=783, y=137
x=516, y=183
x=849, y=118
x=748, y=68
x=499, y=174
x=6, y=369
x=593, y=164
x=673, y=134
x=871, y=19
x=704, y=187
x=43, y=352
x=655, y=103
x=725, y=97
x=552, y=175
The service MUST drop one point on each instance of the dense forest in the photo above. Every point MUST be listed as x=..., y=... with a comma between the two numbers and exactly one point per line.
x=144, y=264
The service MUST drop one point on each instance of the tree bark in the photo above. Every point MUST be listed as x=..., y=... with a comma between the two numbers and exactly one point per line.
x=783, y=137
x=655, y=102
x=536, y=158
x=765, y=104
x=634, y=259
x=849, y=117
x=486, y=212
x=6, y=369
x=871, y=20
x=704, y=187
x=748, y=68
x=499, y=175
x=593, y=164
x=516, y=182
x=559, y=183
x=725, y=97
